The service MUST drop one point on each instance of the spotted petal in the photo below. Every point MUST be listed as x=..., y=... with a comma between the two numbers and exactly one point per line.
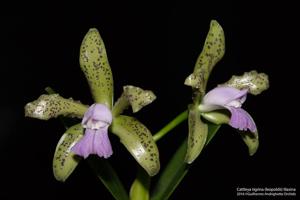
x=134, y=96
x=138, y=141
x=212, y=52
x=49, y=106
x=197, y=135
x=64, y=160
x=94, y=64
x=255, y=82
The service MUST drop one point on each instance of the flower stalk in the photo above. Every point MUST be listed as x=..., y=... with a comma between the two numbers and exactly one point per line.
x=171, y=125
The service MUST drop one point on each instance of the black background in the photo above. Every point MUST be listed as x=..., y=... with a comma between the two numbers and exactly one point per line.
x=153, y=46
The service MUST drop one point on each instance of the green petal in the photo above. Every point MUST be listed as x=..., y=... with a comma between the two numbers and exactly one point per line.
x=134, y=96
x=65, y=161
x=251, y=140
x=94, y=64
x=49, y=106
x=197, y=135
x=212, y=52
x=255, y=82
x=138, y=141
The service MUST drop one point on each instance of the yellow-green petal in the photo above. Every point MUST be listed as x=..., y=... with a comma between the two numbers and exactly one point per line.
x=134, y=96
x=255, y=82
x=251, y=140
x=49, y=106
x=213, y=50
x=138, y=141
x=95, y=65
x=197, y=135
x=64, y=160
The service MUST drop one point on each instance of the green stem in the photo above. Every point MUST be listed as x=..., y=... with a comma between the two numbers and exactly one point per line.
x=140, y=187
x=176, y=169
x=171, y=125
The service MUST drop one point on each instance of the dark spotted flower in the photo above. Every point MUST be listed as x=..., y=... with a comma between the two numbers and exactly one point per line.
x=100, y=118
x=230, y=95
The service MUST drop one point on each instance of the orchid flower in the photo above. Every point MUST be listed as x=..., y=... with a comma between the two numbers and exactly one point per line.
x=99, y=118
x=230, y=95
x=232, y=99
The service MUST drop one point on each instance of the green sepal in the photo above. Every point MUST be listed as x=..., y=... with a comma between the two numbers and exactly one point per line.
x=53, y=105
x=213, y=50
x=138, y=141
x=197, y=134
x=95, y=65
x=134, y=96
x=64, y=160
x=255, y=82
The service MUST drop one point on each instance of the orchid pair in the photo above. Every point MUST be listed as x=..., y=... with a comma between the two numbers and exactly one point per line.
x=205, y=115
